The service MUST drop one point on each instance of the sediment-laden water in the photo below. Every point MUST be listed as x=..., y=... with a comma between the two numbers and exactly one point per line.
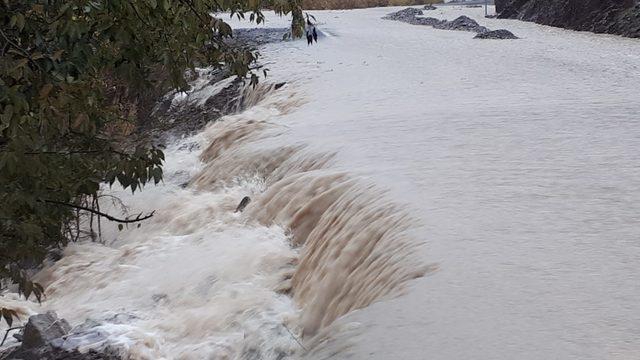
x=514, y=162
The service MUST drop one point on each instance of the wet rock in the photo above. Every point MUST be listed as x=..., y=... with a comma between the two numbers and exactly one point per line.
x=59, y=354
x=429, y=7
x=462, y=23
x=405, y=15
x=429, y=21
x=255, y=37
x=243, y=204
x=496, y=34
x=160, y=298
x=45, y=337
x=279, y=85
x=621, y=17
x=55, y=255
x=42, y=329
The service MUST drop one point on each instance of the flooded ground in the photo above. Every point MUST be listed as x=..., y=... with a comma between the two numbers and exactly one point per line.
x=520, y=159
x=514, y=162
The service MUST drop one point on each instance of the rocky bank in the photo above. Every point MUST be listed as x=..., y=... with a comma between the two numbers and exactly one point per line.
x=620, y=17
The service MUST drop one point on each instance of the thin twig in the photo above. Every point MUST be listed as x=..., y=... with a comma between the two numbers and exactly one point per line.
x=107, y=216
x=138, y=14
x=76, y=152
x=7, y=333
x=195, y=12
x=295, y=338
x=17, y=47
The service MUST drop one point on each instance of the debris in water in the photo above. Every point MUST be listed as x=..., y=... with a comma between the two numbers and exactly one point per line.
x=243, y=204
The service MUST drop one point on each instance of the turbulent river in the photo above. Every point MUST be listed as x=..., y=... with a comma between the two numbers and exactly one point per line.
x=505, y=172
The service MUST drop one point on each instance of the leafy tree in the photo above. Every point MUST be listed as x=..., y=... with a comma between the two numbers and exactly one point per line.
x=63, y=66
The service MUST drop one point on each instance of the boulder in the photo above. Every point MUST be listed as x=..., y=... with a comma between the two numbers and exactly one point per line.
x=462, y=23
x=44, y=337
x=42, y=329
x=496, y=34
x=243, y=204
x=406, y=15
x=429, y=21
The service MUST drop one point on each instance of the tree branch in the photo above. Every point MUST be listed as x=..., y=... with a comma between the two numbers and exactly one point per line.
x=135, y=10
x=17, y=47
x=99, y=213
x=7, y=333
x=195, y=12
x=77, y=152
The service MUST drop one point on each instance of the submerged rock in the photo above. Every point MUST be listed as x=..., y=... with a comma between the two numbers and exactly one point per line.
x=429, y=21
x=429, y=7
x=462, y=23
x=243, y=204
x=45, y=337
x=406, y=15
x=496, y=34
x=42, y=329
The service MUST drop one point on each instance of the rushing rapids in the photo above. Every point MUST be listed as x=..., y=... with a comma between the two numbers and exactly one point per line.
x=200, y=280
x=516, y=160
x=353, y=246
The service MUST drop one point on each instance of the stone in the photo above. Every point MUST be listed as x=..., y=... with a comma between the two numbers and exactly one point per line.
x=462, y=23
x=243, y=204
x=429, y=21
x=429, y=7
x=406, y=15
x=42, y=329
x=496, y=34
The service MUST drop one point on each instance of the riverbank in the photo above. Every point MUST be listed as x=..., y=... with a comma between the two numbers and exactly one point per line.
x=618, y=17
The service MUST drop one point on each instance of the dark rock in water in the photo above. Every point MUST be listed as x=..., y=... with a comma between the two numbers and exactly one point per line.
x=173, y=115
x=42, y=338
x=621, y=17
x=243, y=204
x=55, y=255
x=429, y=7
x=406, y=15
x=59, y=354
x=255, y=37
x=496, y=34
x=462, y=23
x=41, y=329
x=279, y=85
x=429, y=21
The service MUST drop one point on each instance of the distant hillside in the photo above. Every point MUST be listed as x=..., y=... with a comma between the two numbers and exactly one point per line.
x=354, y=4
